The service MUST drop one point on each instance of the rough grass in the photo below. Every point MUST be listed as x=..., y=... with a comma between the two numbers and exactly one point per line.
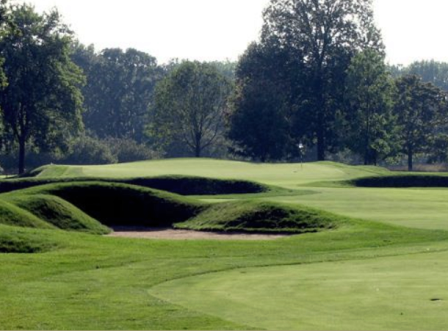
x=59, y=213
x=184, y=185
x=264, y=217
x=123, y=205
x=11, y=214
x=403, y=181
x=88, y=206
x=18, y=240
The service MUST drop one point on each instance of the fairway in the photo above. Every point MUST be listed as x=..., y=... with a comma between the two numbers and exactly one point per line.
x=347, y=258
x=419, y=208
x=407, y=292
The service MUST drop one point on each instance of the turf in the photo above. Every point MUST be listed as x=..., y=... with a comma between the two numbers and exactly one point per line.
x=284, y=175
x=59, y=213
x=262, y=217
x=106, y=283
x=184, y=185
x=393, y=293
x=319, y=280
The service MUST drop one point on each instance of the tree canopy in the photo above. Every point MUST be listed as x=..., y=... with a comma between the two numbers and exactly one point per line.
x=369, y=96
x=420, y=108
x=189, y=107
x=324, y=34
x=42, y=103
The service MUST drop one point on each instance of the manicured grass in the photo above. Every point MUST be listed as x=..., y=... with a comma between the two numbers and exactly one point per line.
x=322, y=280
x=91, y=282
x=420, y=208
x=284, y=175
x=394, y=293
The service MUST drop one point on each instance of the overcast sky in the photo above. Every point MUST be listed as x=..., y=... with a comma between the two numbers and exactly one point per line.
x=218, y=29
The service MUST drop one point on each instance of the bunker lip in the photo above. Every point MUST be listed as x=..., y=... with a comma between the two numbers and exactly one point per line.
x=173, y=234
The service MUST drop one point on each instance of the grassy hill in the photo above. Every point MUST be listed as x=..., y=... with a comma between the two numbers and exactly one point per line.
x=284, y=175
x=364, y=257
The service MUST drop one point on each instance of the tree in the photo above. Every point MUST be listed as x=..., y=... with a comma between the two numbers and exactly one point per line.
x=369, y=95
x=431, y=72
x=42, y=104
x=260, y=120
x=420, y=108
x=325, y=34
x=119, y=90
x=189, y=107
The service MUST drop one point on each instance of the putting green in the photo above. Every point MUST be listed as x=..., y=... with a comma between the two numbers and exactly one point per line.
x=401, y=293
x=287, y=175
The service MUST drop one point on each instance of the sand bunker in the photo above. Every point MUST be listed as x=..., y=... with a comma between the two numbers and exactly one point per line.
x=171, y=234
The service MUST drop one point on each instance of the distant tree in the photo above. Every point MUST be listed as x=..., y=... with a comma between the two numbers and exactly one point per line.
x=420, y=108
x=42, y=104
x=432, y=72
x=260, y=120
x=324, y=34
x=227, y=68
x=369, y=96
x=119, y=90
x=189, y=107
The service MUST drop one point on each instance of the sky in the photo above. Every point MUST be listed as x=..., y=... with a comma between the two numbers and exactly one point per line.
x=208, y=30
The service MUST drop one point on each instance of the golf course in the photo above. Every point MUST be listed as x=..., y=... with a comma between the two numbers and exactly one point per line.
x=343, y=247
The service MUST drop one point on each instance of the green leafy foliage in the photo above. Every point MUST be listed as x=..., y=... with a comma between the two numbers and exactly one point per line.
x=324, y=35
x=189, y=106
x=119, y=90
x=370, y=91
x=260, y=120
x=420, y=109
x=41, y=106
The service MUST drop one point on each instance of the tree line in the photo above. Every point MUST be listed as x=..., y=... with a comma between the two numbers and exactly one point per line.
x=316, y=78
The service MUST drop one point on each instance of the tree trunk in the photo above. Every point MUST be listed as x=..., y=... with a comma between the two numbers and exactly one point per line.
x=410, y=161
x=320, y=130
x=21, y=156
x=320, y=141
x=197, y=151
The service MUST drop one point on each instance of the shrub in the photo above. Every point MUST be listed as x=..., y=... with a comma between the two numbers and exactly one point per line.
x=128, y=150
x=86, y=150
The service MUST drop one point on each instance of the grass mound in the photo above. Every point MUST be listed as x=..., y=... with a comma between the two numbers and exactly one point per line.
x=186, y=185
x=183, y=185
x=263, y=217
x=124, y=205
x=59, y=213
x=403, y=181
x=18, y=240
x=15, y=216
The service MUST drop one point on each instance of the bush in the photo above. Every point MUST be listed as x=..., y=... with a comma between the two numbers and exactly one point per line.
x=86, y=150
x=128, y=150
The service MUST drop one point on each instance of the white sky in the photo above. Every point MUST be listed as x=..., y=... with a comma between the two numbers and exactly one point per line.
x=219, y=29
